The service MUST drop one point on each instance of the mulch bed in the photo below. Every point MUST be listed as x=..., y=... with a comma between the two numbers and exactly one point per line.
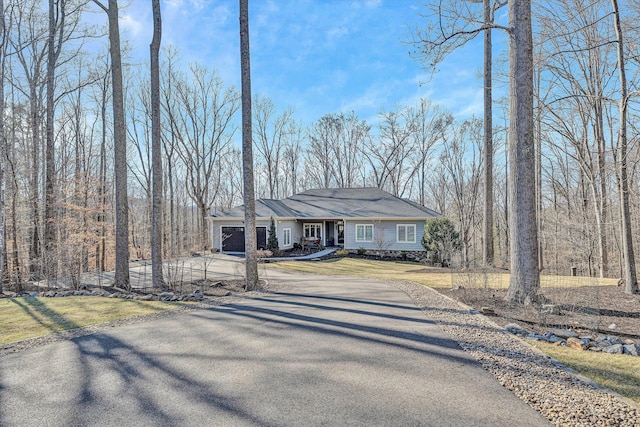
x=587, y=309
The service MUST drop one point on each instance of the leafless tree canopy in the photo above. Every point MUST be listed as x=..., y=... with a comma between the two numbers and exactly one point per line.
x=102, y=160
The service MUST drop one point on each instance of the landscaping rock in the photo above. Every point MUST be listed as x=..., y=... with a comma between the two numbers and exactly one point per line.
x=564, y=333
x=516, y=329
x=536, y=337
x=576, y=343
x=196, y=295
x=613, y=339
x=631, y=349
x=555, y=340
x=614, y=349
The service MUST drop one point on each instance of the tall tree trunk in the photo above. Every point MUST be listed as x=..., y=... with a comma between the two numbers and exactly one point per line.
x=156, y=152
x=34, y=184
x=487, y=224
x=120, y=148
x=525, y=276
x=102, y=197
x=56, y=23
x=601, y=204
x=250, y=243
x=630, y=278
x=3, y=153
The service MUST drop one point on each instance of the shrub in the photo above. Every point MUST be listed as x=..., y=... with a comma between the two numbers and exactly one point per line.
x=264, y=253
x=441, y=239
x=362, y=251
x=342, y=252
x=272, y=241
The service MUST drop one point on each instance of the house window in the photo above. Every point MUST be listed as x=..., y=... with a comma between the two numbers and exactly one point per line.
x=406, y=233
x=286, y=237
x=364, y=232
x=312, y=230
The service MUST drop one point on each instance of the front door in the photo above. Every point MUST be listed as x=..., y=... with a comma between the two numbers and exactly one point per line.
x=340, y=227
x=330, y=233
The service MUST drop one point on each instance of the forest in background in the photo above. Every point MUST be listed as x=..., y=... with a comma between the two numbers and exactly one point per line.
x=421, y=152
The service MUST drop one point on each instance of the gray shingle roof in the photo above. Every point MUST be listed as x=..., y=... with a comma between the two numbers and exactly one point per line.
x=336, y=203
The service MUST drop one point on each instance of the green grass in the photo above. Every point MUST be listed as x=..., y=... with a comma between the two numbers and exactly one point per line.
x=22, y=318
x=618, y=372
x=428, y=276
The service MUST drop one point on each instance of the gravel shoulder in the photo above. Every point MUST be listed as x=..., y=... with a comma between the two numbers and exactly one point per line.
x=559, y=394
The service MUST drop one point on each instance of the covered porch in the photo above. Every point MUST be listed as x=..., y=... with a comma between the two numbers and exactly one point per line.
x=325, y=232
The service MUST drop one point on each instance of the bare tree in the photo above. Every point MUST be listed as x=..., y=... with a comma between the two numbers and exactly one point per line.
x=575, y=64
x=203, y=130
x=3, y=150
x=270, y=135
x=251, y=259
x=120, y=147
x=630, y=278
x=292, y=156
x=319, y=159
x=388, y=154
x=30, y=48
x=457, y=23
x=487, y=224
x=461, y=159
x=156, y=149
x=429, y=126
x=524, y=282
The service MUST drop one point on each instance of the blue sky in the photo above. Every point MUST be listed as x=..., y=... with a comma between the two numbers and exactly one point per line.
x=317, y=57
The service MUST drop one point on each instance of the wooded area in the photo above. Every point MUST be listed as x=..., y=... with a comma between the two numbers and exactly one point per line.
x=63, y=190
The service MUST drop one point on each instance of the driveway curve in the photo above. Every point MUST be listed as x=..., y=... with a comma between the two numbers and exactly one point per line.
x=321, y=352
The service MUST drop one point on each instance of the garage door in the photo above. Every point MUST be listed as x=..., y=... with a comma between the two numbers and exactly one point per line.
x=233, y=240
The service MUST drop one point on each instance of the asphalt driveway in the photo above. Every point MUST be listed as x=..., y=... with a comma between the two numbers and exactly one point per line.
x=321, y=352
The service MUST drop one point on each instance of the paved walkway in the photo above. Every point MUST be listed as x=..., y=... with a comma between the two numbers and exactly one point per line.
x=314, y=255
x=345, y=351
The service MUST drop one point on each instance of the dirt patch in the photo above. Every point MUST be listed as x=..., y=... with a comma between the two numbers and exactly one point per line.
x=589, y=309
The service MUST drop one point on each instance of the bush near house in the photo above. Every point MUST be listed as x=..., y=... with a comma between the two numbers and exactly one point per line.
x=441, y=239
x=272, y=240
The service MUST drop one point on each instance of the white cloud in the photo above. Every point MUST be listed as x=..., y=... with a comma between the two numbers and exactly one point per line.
x=131, y=25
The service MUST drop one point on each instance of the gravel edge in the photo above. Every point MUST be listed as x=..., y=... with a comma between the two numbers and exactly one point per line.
x=558, y=393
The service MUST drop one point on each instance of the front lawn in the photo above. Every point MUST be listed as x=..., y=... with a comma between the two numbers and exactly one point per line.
x=428, y=276
x=22, y=318
x=618, y=372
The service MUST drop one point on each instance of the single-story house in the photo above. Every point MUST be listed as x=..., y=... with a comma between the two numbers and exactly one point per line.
x=352, y=218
